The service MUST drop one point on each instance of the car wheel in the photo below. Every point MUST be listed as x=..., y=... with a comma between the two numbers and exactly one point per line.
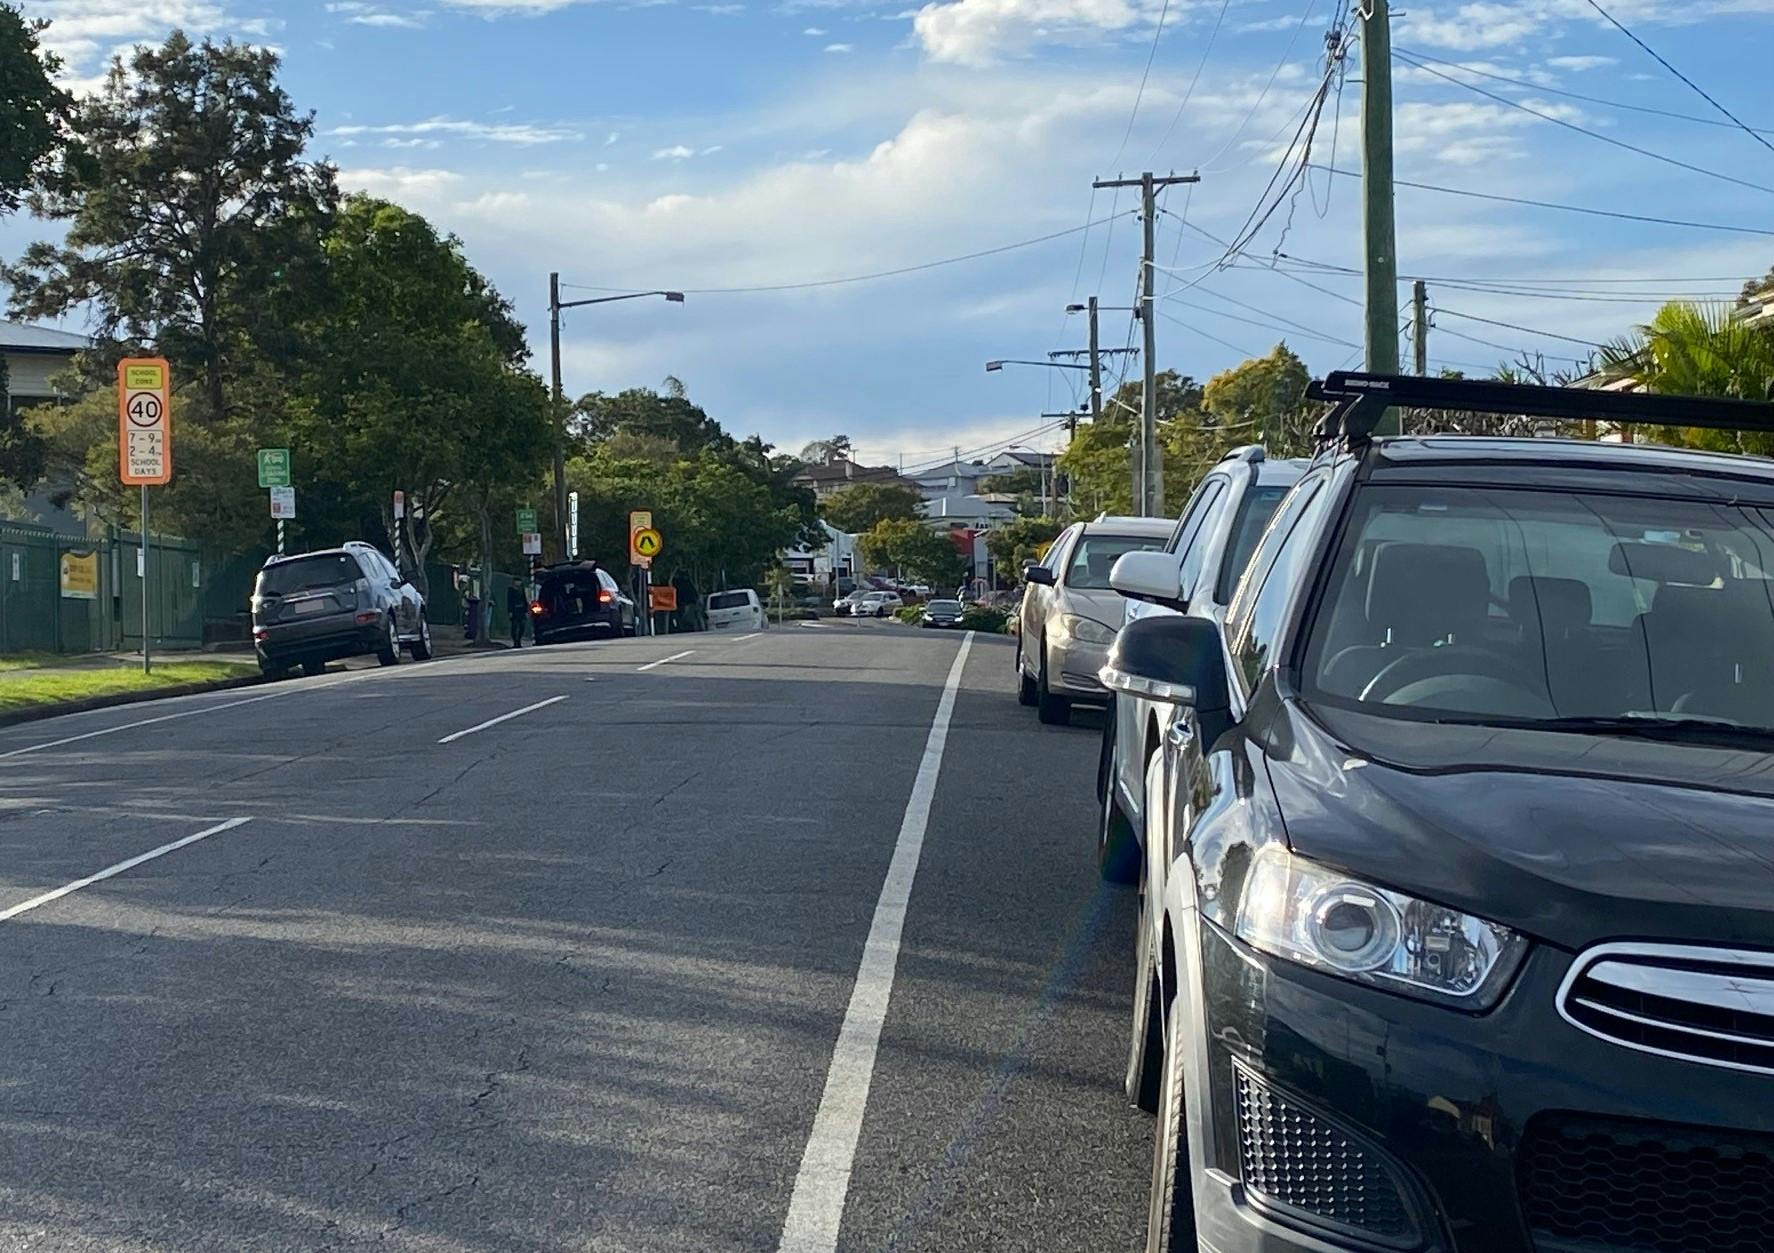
x=421, y=647
x=1025, y=686
x=312, y=668
x=1145, y=1043
x=272, y=670
x=389, y=653
x=1170, y=1218
x=1055, y=711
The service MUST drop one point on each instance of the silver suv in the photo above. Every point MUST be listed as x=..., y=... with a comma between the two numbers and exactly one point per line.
x=340, y=602
x=1070, y=614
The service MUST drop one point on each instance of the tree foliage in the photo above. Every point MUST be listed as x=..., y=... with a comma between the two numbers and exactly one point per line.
x=1016, y=542
x=1700, y=350
x=33, y=110
x=914, y=551
x=857, y=508
x=1099, y=461
x=819, y=451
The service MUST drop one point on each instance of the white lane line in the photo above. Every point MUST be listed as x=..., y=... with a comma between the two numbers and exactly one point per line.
x=119, y=868
x=493, y=722
x=740, y=639
x=674, y=657
x=817, y=1205
x=145, y=722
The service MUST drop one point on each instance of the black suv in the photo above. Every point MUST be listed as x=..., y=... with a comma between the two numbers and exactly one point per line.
x=579, y=600
x=1469, y=942
x=339, y=602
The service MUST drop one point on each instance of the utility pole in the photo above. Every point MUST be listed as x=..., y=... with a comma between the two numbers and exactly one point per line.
x=1378, y=221
x=1420, y=326
x=1150, y=499
x=1096, y=370
x=560, y=417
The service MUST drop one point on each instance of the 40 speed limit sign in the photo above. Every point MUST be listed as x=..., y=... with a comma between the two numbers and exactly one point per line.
x=144, y=420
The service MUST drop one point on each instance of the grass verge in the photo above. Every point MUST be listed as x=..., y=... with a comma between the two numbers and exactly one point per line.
x=25, y=661
x=57, y=687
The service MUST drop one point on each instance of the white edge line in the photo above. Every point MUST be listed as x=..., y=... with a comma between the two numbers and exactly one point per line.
x=740, y=639
x=119, y=868
x=674, y=657
x=816, y=1207
x=493, y=722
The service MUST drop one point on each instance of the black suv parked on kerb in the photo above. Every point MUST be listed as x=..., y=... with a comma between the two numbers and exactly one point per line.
x=1469, y=943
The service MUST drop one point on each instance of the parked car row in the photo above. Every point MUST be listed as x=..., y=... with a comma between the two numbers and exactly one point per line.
x=1442, y=767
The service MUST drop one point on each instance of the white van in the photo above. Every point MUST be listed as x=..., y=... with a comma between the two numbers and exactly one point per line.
x=740, y=608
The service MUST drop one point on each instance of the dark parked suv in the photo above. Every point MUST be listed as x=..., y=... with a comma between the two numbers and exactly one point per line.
x=340, y=602
x=579, y=600
x=1468, y=943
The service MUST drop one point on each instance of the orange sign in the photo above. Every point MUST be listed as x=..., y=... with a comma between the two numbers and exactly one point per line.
x=144, y=420
x=663, y=599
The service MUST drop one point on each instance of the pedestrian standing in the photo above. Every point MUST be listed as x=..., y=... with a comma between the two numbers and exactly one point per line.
x=517, y=608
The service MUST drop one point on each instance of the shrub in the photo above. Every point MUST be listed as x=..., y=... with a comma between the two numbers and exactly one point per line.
x=913, y=614
x=988, y=620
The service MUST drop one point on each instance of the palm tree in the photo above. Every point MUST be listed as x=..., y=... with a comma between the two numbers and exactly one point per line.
x=1700, y=350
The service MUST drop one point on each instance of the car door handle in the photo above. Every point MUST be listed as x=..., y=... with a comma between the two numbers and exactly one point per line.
x=1181, y=735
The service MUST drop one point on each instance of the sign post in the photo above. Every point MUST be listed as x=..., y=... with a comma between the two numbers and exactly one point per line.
x=283, y=507
x=572, y=524
x=400, y=513
x=144, y=447
x=644, y=544
x=274, y=467
x=526, y=521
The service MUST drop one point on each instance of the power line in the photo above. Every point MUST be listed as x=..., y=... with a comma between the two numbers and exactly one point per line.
x=1189, y=92
x=1301, y=327
x=1584, y=130
x=1286, y=55
x=1565, y=208
x=1196, y=330
x=1141, y=93
x=1510, y=326
x=1698, y=90
x=1296, y=329
x=1576, y=95
x=864, y=278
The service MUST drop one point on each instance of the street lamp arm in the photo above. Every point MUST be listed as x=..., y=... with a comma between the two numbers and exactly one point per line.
x=993, y=366
x=675, y=297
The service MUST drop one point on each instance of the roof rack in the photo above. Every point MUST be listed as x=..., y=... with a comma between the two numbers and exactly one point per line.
x=1252, y=453
x=1361, y=399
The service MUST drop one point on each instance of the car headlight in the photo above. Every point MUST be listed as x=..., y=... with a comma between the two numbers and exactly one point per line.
x=1322, y=918
x=1089, y=630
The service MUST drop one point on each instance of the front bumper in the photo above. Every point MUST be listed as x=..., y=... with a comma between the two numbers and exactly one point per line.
x=1074, y=663
x=1456, y=1108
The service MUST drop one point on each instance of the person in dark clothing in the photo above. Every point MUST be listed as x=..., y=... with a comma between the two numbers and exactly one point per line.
x=517, y=608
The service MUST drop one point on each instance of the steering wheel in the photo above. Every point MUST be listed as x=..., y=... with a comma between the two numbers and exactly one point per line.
x=1462, y=659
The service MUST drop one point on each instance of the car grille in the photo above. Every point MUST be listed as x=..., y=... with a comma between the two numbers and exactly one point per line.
x=1600, y=1185
x=1714, y=1006
x=1296, y=1160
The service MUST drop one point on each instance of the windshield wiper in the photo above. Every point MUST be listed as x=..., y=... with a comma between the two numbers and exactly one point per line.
x=1656, y=726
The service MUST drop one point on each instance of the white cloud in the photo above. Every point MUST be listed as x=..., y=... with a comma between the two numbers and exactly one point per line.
x=677, y=152
x=1284, y=22
x=840, y=47
x=1473, y=26
x=393, y=142
x=389, y=21
x=815, y=31
x=711, y=150
x=520, y=134
x=976, y=32
x=720, y=10
x=1580, y=63
x=611, y=138
x=399, y=182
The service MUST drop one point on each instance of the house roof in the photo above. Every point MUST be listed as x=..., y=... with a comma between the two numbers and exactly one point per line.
x=23, y=337
x=965, y=507
x=845, y=472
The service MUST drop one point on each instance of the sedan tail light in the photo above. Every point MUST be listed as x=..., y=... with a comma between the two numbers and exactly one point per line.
x=364, y=619
x=260, y=633
x=536, y=609
x=605, y=596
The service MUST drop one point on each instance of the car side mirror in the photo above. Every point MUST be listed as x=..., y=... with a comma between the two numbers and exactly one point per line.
x=1039, y=574
x=1155, y=578
x=1170, y=658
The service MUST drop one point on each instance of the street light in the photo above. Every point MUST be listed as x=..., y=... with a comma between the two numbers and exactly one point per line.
x=992, y=367
x=555, y=305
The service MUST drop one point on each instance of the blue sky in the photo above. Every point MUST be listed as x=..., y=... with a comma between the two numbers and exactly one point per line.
x=738, y=143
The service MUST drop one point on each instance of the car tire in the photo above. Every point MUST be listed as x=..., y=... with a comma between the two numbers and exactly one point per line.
x=1145, y=1043
x=421, y=647
x=1170, y=1217
x=1025, y=686
x=389, y=653
x=312, y=668
x=1055, y=711
x=272, y=670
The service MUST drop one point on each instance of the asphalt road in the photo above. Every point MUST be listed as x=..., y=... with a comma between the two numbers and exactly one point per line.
x=573, y=980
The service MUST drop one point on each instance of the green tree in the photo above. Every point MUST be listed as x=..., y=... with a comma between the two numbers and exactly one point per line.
x=1022, y=481
x=819, y=451
x=856, y=509
x=1019, y=541
x=1260, y=401
x=914, y=550
x=1700, y=350
x=1100, y=458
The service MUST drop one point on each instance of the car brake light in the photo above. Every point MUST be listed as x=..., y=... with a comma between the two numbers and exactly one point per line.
x=604, y=597
x=364, y=619
x=536, y=608
x=261, y=633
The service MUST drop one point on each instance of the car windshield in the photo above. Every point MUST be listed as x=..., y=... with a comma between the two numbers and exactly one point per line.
x=728, y=600
x=1475, y=604
x=1096, y=555
x=570, y=594
x=300, y=574
x=945, y=606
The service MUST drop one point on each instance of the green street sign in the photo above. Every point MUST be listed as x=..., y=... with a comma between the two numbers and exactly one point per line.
x=526, y=521
x=274, y=467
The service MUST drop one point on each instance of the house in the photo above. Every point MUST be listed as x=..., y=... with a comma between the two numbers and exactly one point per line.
x=823, y=566
x=953, y=478
x=837, y=473
x=35, y=355
x=970, y=510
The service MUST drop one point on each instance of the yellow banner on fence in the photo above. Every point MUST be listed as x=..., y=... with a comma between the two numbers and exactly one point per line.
x=80, y=575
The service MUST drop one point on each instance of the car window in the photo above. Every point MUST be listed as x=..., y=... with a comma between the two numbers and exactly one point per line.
x=1058, y=551
x=1196, y=545
x=1189, y=525
x=1268, y=583
x=1095, y=555
x=1254, y=511
x=607, y=580
x=1473, y=602
x=729, y=600
x=302, y=573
